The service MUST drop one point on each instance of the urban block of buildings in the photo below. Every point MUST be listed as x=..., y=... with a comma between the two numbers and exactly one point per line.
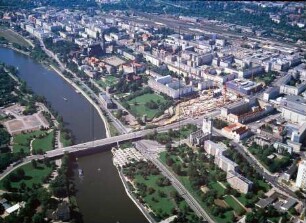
x=235, y=179
x=169, y=86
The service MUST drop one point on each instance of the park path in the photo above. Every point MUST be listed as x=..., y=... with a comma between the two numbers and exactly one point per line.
x=247, y=210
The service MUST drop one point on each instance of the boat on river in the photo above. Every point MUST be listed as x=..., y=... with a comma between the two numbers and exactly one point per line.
x=81, y=172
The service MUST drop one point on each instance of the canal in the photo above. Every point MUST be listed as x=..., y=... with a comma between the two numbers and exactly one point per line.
x=101, y=196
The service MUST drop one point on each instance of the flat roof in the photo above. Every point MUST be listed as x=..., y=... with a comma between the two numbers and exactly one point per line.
x=262, y=203
x=13, y=208
x=289, y=203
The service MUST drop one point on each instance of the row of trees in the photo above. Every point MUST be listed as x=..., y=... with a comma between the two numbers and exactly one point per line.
x=61, y=186
x=7, y=87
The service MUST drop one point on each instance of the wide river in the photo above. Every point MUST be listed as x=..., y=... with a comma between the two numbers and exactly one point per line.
x=101, y=195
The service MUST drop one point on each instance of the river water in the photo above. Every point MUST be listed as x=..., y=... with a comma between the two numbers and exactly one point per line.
x=101, y=196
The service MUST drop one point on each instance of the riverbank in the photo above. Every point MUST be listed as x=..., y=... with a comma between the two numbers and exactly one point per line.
x=136, y=202
x=74, y=85
x=15, y=49
x=103, y=118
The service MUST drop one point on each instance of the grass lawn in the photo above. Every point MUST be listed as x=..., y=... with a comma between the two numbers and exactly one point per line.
x=163, y=204
x=184, y=132
x=125, y=145
x=264, y=185
x=65, y=142
x=45, y=143
x=33, y=176
x=220, y=190
x=243, y=199
x=228, y=215
x=162, y=157
x=107, y=81
x=13, y=37
x=274, y=219
x=112, y=129
x=140, y=109
x=234, y=204
x=22, y=141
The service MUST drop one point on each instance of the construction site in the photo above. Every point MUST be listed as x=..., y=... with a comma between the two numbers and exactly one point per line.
x=207, y=101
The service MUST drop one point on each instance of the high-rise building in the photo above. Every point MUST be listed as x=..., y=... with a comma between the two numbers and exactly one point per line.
x=207, y=126
x=301, y=175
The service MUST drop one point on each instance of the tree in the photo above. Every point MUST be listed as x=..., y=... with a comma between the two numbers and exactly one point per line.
x=150, y=190
x=23, y=185
x=250, y=217
x=38, y=218
x=169, y=161
x=20, y=173
x=34, y=163
x=7, y=184
x=177, y=168
x=1, y=209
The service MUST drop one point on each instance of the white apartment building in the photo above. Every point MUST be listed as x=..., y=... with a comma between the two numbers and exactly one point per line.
x=236, y=180
x=301, y=175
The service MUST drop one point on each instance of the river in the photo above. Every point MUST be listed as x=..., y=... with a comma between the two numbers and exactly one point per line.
x=101, y=196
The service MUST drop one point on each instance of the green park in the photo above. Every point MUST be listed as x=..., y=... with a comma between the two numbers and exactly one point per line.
x=42, y=141
x=146, y=104
x=156, y=191
x=207, y=183
x=28, y=175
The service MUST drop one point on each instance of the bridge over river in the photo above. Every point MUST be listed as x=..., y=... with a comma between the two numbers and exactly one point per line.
x=117, y=139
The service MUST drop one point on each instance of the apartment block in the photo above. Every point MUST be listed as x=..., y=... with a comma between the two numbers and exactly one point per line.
x=236, y=180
